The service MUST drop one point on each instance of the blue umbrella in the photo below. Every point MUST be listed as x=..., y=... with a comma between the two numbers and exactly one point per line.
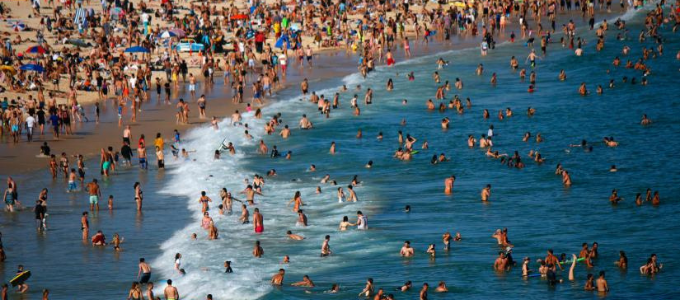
x=137, y=49
x=32, y=67
x=281, y=40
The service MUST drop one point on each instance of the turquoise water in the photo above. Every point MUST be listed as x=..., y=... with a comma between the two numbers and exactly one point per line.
x=539, y=212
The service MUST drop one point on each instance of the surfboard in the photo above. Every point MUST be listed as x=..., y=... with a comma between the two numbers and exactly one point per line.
x=415, y=151
x=570, y=261
x=20, y=278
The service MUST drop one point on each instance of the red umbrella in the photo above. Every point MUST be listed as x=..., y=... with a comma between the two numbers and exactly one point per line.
x=240, y=17
x=35, y=49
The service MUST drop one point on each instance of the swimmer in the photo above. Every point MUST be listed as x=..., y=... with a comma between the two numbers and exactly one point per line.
x=406, y=250
x=306, y=282
x=645, y=120
x=448, y=184
x=294, y=236
x=325, y=247
x=486, y=193
x=277, y=279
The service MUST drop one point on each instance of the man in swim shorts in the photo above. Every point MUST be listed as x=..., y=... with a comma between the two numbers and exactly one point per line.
x=95, y=192
x=145, y=272
x=192, y=85
x=258, y=221
x=170, y=292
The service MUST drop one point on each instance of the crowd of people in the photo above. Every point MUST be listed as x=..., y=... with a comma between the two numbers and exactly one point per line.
x=250, y=48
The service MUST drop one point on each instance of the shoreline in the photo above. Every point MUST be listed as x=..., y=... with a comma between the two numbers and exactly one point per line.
x=88, y=138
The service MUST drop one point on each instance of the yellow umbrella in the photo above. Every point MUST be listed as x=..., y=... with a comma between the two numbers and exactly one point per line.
x=8, y=69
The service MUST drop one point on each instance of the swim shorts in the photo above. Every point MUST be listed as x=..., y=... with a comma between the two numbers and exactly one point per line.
x=145, y=278
x=259, y=229
x=94, y=199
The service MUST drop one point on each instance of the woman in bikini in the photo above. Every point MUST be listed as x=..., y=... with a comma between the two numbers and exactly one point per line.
x=139, y=197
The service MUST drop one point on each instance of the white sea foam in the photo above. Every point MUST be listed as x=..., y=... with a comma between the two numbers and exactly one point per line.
x=202, y=258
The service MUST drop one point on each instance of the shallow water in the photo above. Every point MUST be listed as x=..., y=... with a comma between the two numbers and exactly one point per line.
x=532, y=203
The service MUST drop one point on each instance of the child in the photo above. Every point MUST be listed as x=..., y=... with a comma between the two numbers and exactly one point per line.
x=227, y=266
x=110, y=202
x=158, y=88
x=120, y=114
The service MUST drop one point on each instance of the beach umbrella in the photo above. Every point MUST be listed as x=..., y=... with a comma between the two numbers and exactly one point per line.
x=167, y=34
x=8, y=69
x=32, y=67
x=178, y=32
x=35, y=49
x=116, y=11
x=137, y=49
x=78, y=42
x=295, y=26
x=281, y=40
x=239, y=17
x=18, y=26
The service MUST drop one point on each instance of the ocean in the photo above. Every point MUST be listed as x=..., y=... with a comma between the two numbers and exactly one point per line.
x=539, y=212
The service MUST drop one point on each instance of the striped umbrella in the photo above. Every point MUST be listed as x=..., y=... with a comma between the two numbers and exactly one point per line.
x=178, y=32
x=35, y=49
x=18, y=26
x=167, y=34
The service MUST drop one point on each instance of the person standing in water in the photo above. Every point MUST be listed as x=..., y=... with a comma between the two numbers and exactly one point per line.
x=144, y=272
x=325, y=247
x=362, y=223
x=139, y=195
x=258, y=223
x=277, y=279
x=170, y=292
x=486, y=193
x=95, y=193
x=448, y=184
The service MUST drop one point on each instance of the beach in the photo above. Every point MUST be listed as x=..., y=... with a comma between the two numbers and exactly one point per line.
x=531, y=201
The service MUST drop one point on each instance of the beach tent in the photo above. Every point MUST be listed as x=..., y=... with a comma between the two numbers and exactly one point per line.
x=137, y=49
x=32, y=67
